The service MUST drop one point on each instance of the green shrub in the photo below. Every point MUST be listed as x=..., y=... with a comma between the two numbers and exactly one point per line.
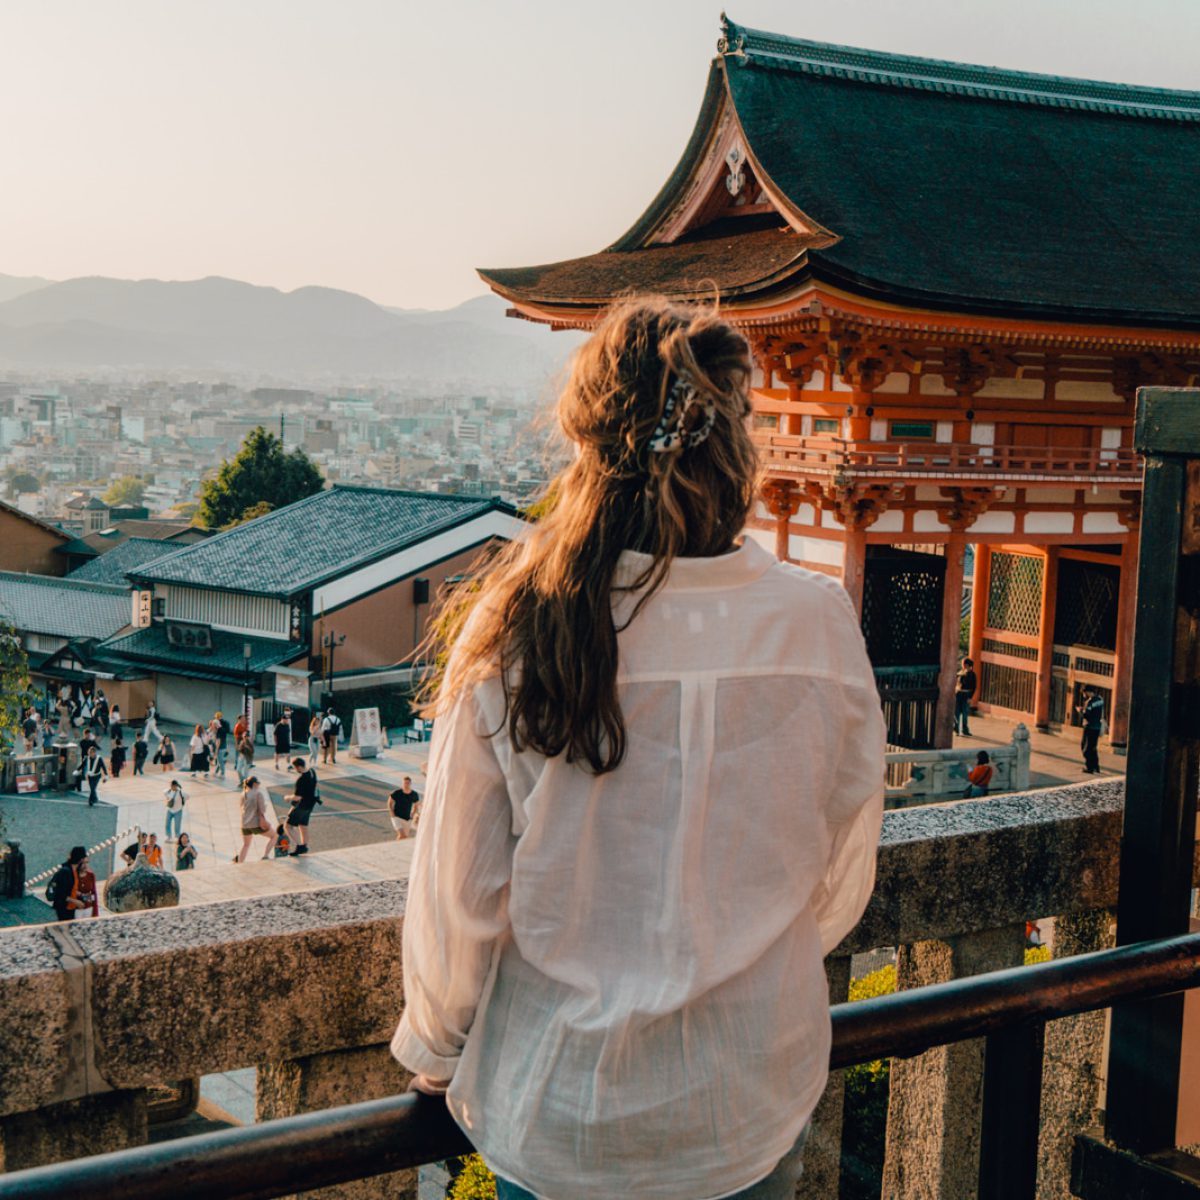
x=475, y=1182
x=864, y=1128
x=393, y=701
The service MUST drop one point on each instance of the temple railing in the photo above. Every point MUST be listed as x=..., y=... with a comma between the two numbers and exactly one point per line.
x=831, y=456
x=308, y=988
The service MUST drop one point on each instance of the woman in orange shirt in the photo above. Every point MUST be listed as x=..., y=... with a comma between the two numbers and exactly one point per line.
x=979, y=776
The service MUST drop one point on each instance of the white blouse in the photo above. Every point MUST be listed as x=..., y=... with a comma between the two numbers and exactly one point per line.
x=623, y=974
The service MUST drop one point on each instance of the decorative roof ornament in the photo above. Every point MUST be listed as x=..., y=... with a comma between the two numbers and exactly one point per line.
x=732, y=40
x=736, y=178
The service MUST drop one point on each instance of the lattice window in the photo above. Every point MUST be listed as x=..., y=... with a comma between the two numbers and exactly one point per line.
x=1010, y=649
x=902, y=608
x=1015, y=593
x=1086, y=610
x=1007, y=687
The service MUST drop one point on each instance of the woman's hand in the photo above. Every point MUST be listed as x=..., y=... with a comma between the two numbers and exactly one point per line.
x=428, y=1086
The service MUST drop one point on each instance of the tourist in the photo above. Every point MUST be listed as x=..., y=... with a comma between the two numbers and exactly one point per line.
x=86, y=742
x=198, y=752
x=625, y=885
x=165, y=754
x=141, y=748
x=1091, y=716
x=244, y=759
x=314, y=737
x=63, y=889
x=88, y=889
x=218, y=729
x=175, y=799
x=114, y=722
x=185, y=853
x=117, y=755
x=29, y=729
x=130, y=853
x=241, y=727
x=400, y=808
x=283, y=843
x=979, y=776
x=258, y=818
x=282, y=734
x=306, y=796
x=965, y=686
x=153, y=851
x=150, y=725
x=331, y=730
x=93, y=771
x=100, y=709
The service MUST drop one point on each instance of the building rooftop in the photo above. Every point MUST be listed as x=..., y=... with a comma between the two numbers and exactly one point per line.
x=63, y=607
x=126, y=555
x=321, y=537
x=926, y=183
x=226, y=661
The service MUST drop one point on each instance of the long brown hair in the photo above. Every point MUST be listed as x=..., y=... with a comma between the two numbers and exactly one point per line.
x=541, y=613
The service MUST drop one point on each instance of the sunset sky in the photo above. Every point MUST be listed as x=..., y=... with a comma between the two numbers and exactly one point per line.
x=389, y=147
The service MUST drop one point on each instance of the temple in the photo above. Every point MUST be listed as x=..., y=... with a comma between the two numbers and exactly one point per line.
x=954, y=278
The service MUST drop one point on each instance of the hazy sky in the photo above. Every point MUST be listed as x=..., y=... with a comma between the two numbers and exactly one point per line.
x=389, y=147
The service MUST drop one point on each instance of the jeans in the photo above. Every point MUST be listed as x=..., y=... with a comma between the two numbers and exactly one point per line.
x=314, y=748
x=174, y=818
x=779, y=1185
x=242, y=767
x=222, y=759
x=93, y=782
x=962, y=710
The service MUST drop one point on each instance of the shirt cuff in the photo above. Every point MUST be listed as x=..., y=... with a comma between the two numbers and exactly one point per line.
x=411, y=1052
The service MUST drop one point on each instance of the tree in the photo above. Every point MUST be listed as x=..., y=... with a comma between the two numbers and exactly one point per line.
x=126, y=492
x=255, y=510
x=14, y=690
x=262, y=473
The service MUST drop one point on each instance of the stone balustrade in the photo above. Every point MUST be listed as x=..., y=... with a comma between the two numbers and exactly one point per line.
x=308, y=987
x=926, y=776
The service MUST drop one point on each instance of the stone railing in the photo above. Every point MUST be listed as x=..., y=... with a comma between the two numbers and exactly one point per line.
x=308, y=988
x=924, y=776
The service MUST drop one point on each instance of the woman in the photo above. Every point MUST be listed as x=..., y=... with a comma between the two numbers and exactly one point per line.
x=185, y=853
x=282, y=734
x=198, y=752
x=175, y=799
x=153, y=851
x=115, y=722
x=245, y=756
x=87, y=893
x=979, y=776
x=117, y=756
x=627, y=876
x=150, y=726
x=258, y=818
x=314, y=738
x=165, y=753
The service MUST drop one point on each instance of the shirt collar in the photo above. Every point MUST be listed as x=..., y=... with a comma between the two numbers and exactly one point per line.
x=741, y=566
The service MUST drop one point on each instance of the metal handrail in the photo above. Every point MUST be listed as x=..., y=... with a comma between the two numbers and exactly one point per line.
x=276, y=1158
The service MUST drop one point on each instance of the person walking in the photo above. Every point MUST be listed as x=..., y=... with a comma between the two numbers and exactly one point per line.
x=117, y=756
x=150, y=725
x=331, y=731
x=282, y=734
x=244, y=762
x=94, y=771
x=100, y=709
x=258, y=818
x=63, y=890
x=315, y=737
x=1091, y=716
x=141, y=749
x=218, y=729
x=965, y=686
x=303, y=800
x=115, y=723
x=165, y=754
x=175, y=799
x=185, y=853
x=979, y=776
x=198, y=752
x=603, y=955
x=400, y=808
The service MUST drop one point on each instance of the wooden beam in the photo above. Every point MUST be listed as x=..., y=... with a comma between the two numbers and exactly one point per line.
x=1123, y=676
x=943, y=728
x=1045, y=659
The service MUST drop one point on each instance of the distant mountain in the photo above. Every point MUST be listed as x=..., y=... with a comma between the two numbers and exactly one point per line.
x=18, y=285
x=226, y=325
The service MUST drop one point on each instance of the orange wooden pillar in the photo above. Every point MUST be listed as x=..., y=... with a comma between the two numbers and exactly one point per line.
x=854, y=565
x=979, y=603
x=1126, y=607
x=1045, y=658
x=783, y=502
x=952, y=594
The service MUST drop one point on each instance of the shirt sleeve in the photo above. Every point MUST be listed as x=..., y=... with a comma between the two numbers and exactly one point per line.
x=457, y=911
x=856, y=816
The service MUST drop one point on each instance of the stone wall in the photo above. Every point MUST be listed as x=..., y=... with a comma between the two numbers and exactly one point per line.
x=308, y=988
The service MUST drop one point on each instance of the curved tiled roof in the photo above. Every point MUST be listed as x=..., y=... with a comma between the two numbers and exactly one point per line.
x=318, y=538
x=944, y=186
x=111, y=567
x=63, y=607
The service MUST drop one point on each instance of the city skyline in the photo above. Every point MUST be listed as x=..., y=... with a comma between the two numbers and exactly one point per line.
x=389, y=149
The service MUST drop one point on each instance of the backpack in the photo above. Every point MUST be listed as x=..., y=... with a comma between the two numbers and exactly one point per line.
x=52, y=889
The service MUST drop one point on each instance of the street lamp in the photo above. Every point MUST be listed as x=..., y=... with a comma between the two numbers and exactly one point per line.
x=247, y=651
x=329, y=643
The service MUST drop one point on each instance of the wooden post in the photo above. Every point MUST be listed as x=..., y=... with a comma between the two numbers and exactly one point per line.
x=854, y=565
x=783, y=502
x=943, y=726
x=1045, y=659
x=1126, y=607
x=782, y=535
x=979, y=602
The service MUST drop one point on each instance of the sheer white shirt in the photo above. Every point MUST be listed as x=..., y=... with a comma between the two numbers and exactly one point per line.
x=622, y=975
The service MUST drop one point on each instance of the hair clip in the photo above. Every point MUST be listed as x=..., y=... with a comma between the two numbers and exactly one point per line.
x=669, y=433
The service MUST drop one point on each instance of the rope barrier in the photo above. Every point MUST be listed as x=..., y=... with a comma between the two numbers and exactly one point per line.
x=104, y=845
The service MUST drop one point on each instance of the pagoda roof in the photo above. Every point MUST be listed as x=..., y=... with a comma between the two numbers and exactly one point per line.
x=917, y=182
